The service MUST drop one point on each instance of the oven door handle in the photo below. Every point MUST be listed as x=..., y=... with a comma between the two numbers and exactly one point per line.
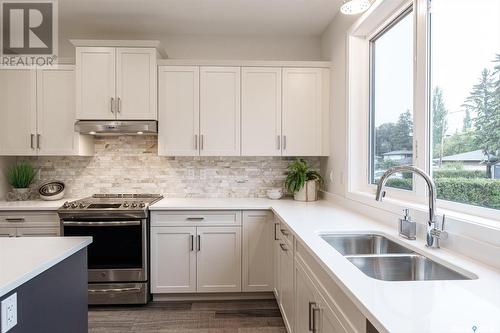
x=100, y=223
x=114, y=290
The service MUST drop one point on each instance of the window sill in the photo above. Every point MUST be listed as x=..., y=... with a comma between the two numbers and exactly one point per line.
x=396, y=206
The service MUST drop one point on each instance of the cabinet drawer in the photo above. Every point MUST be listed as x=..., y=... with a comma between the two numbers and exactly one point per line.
x=195, y=218
x=28, y=219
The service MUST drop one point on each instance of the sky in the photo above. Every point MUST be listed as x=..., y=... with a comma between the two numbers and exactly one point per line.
x=465, y=39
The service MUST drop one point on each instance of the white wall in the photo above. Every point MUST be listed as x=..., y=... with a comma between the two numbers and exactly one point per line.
x=333, y=48
x=5, y=162
x=219, y=47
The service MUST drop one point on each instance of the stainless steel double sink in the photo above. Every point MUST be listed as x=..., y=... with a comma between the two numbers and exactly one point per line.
x=384, y=259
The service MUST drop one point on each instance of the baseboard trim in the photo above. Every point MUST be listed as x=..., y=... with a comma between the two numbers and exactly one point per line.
x=212, y=296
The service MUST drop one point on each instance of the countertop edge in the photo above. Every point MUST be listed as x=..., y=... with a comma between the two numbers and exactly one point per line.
x=44, y=266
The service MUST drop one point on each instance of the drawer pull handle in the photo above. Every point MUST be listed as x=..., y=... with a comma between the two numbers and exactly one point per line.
x=283, y=247
x=311, y=316
x=195, y=218
x=14, y=219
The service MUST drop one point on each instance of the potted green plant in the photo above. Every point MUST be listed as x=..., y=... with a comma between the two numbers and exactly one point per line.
x=303, y=181
x=20, y=176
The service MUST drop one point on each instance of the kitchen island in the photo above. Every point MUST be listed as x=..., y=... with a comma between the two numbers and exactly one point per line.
x=48, y=276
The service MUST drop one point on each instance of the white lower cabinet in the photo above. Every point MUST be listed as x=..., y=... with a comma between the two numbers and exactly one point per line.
x=286, y=285
x=173, y=260
x=257, y=274
x=8, y=232
x=37, y=232
x=195, y=259
x=219, y=259
x=276, y=256
x=312, y=314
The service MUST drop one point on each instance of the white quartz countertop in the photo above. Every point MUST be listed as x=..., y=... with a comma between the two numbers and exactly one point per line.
x=32, y=205
x=23, y=258
x=413, y=306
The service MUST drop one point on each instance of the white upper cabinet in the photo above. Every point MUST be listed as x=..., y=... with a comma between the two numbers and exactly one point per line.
x=38, y=113
x=260, y=111
x=136, y=83
x=17, y=112
x=56, y=116
x=179, y=110
x=305, y=116
x=220, y=111
x=95, y=83
x=116, y=83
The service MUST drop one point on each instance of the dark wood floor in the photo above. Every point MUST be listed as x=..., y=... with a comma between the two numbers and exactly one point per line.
x=250, y=316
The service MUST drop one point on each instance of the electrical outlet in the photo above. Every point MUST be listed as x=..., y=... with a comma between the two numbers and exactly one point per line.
x=9, y=313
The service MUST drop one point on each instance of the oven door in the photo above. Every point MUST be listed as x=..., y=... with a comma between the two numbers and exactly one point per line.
x=118, y=252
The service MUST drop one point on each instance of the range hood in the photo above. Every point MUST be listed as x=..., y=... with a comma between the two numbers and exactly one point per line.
x=117, y=127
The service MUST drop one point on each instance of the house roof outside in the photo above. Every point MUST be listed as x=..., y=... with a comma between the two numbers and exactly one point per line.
x=398, y=152
x=471, y=156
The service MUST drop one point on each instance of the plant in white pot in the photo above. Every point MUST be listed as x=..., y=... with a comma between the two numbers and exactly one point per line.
x=303, y=181
x=20, y=177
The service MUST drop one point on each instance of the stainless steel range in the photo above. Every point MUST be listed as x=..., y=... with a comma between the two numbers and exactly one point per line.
x=118, y=256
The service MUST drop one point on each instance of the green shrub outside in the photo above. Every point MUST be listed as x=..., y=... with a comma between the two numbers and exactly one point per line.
x=458, y=174
x=473, y=191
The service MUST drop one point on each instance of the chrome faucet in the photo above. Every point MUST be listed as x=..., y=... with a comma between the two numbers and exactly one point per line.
x=434, y=232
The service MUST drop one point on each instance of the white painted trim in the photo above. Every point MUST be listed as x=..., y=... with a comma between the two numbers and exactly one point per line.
x=244, y=63
x=212, y=296
x=155, y=44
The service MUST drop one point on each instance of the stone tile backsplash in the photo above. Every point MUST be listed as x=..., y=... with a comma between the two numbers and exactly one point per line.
x=131, y=164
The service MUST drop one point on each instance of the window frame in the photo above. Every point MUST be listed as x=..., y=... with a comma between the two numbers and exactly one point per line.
x=377, y=18
x=371, y=81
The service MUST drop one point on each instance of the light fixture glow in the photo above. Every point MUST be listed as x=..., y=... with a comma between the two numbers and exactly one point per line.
x=354, y=7
x=92, y=133
x=140, y=132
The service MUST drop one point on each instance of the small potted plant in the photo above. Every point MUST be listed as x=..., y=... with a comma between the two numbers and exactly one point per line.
x=303, y=181
x=20, y=177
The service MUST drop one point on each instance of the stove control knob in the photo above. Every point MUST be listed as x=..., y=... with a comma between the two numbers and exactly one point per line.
x=66, y=205
x=81, y=205
x=134, y=204
x=142, y=204
x=125, y=204
x=74, y=205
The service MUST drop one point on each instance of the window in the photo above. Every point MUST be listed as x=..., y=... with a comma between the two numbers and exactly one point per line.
x=465, y=101
x=391, y=100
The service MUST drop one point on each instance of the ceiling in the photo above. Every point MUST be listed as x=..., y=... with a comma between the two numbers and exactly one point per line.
x=197, y=17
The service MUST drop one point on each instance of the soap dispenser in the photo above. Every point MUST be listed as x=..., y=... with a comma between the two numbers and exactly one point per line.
x=407, y=227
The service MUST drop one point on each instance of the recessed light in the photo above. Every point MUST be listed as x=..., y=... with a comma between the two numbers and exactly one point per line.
x=354, y=7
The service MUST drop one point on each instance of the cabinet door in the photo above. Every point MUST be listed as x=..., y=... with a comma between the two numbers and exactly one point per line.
x=7, y=232
x=136, y=83
x=56, y=111
x=179, y=111
x=38, y=232
x=328, y=320
x=287, y=291
x=276, y=254
x=260, y=111
x=173, y=260
x=95, y=83
x=257, y=247
x=220, y=111
x=305, y=301
x=305, y=111
x=219, y=259
x=17, y=112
